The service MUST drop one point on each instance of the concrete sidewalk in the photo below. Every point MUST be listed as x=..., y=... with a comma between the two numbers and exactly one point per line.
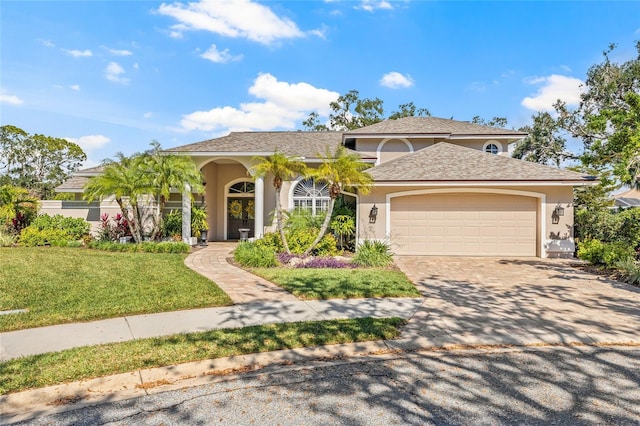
x=33, y=341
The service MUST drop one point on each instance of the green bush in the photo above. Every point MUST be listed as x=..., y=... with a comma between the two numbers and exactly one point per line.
x=629, y=270
x=609, y=226
x=372, y=253
x=75, y=228
x=606, y=254
x=301, y=219
x=6, y=239
x=300, y=239
x=172, y=224
x=252, y=255
x=271, y=240
x=328, y=246
x=145, y=247
x=31, y=236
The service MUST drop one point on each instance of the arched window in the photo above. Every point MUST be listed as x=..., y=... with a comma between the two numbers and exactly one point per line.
x=492, y=148
x=311, y=195
x=242, y=188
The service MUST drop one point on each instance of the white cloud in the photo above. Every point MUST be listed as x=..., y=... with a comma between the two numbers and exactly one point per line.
x=148, y=115
x=74, y=87
x=136, y=66
x=219, y=56
x=231, y=18
x=90, y=142
x=114, y=73
x=554, y=87
x=47, y=43
x=10, y=99
x=118, y=52
x=78, y=53
x=284, y=105
x=395, y=80
x=371, y=5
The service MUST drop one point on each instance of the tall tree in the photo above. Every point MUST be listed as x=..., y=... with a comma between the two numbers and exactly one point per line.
x=544, y=143
x=494, y=122
x=37, y=162
x=281, y=167
x=166, y=172
x=122, y=180
x=607, y=118
x=340, y=169
x=409, y=110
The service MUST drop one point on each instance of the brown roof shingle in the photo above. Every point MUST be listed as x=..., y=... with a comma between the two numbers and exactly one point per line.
x=447, y=162
x=302, y=144
x=432, y=125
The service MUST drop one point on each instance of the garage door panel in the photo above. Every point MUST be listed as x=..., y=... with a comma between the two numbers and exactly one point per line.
x=464, y=224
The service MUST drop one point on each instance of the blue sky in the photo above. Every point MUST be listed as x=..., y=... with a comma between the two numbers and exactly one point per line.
x=115, y=75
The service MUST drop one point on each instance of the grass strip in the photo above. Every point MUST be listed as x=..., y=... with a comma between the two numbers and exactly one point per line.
x=61, y=285
x=320, y=284
x=94, y=361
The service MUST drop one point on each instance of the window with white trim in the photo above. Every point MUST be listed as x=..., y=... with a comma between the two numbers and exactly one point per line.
x=311, y=196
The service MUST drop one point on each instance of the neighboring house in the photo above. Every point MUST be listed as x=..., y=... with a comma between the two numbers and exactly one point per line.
x=627, y=199
x=442, y=187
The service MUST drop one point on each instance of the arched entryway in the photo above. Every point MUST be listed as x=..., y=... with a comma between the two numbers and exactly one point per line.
x=240, y=208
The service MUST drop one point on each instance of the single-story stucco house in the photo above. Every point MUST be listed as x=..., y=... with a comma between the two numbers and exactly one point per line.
x=442, y=187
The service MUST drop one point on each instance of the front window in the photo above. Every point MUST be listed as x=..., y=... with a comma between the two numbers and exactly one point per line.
x=311, y=196
x=491, y=148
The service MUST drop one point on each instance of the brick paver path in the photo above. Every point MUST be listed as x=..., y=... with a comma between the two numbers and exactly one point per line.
x=240, y=285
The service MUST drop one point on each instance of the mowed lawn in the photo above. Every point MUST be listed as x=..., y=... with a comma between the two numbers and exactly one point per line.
x=321, y=284
x=60, y=285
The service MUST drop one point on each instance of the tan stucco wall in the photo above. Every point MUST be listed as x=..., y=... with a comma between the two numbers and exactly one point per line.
x=554, y=196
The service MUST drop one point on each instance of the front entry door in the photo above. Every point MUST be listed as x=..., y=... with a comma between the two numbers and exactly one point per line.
x=240, y=213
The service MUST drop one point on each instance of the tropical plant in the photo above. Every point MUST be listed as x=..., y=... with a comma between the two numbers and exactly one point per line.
x=6, y=239
x=343, y=226
x=252, y=255
x=340, y=169
x=167, y=172
x=172, y=224
x=198, y=220
x=281, y=167
x=372, y=253
x=122, y=180
x=17, y=208
x=630, y=270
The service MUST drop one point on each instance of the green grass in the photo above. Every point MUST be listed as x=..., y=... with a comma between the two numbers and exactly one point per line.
x=340, y=283
x=61, y=285
x=95, y=361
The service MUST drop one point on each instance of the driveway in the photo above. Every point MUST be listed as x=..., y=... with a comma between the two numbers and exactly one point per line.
x=480, y=300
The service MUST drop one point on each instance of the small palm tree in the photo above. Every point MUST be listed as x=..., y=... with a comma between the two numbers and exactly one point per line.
x=281, y=167
x=166, y=172
x=121, y=179
x=340, y=169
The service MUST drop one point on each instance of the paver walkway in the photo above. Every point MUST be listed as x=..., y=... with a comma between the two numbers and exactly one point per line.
x=239, y=284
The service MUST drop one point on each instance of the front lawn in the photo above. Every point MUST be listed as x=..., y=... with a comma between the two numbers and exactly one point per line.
x=95, y=361
x=340, y=283
x=61, y=285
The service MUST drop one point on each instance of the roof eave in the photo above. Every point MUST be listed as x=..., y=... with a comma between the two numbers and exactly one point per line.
x=530, y=182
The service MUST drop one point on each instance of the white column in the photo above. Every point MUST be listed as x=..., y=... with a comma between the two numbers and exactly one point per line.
x=186, y=214
x=259, y=208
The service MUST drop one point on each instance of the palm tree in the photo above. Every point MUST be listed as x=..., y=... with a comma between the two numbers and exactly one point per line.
x=281, y=167
x=166, y=172
x=121, y=179
x=342, y=169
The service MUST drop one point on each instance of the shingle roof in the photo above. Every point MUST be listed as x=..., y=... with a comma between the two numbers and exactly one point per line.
x=302, y=144
x=630, y=198
x=432, y=125
x=73, y=184
x=447, y=162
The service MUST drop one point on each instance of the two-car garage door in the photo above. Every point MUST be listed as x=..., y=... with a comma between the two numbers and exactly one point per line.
x=465, y=224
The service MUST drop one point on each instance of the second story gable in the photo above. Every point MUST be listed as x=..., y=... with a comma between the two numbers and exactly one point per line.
x=390, y=139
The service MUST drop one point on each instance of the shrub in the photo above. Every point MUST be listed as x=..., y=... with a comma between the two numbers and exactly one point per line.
x=629, y=271
x=271, y=240
x=325, y=262
x=251, y=255
x=301, y=219
x=172, y=224
x=112, y=229
x=606, y=254
x=371, y=253
x=6, y=239
x=326, y=247
x=145, y=247
x=609, y=226
x=300, y=239
x=75, y=228
x=32, y=236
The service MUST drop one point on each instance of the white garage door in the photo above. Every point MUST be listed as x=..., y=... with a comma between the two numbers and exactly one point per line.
x=465, y=224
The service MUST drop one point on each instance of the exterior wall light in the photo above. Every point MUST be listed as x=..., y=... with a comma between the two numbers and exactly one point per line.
x=373, y=214
x=555, y=216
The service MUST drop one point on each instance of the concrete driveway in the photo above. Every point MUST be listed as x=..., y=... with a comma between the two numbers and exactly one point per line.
x=474, y=300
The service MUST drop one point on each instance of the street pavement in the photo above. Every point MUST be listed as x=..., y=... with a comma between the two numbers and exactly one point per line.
x=545, y=385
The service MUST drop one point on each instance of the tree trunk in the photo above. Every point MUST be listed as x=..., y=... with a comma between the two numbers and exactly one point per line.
x=157, y=217
x=325, y=226
x=279, y=221
x=137, y=236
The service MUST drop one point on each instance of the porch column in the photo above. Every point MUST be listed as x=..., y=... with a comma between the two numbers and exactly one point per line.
x=186, y=214
x=259, y=207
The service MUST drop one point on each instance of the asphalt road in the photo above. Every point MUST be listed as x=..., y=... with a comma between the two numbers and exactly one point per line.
x=550, y=385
